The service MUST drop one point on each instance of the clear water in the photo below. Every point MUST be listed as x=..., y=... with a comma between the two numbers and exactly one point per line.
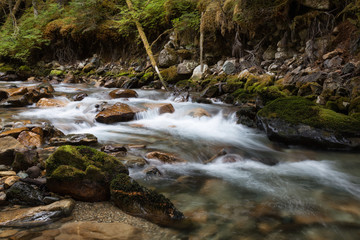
x=308, y=195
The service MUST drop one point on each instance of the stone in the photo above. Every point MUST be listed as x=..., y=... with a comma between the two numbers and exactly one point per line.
x=348, y=68
x=30, y=139
x=7, y=173
x=139, y=201
x=3, y=199
x=247, y=114
x=229, y=67
x=9, y=181
x=164, y=157
x=36, y=216
x=197, y=73
x=114, y=148
x=186, y=67
x=33, y=172
x=316, y=4
x=69, y=78
x=25, y=194
x=332, y=54
x=79, y=97
x=16, y=101
x=119, y=112
x=82, y=172
x=334, y=62
x=94, y=230
x=25, y=159
x=8, y=147
x=50, y=102
x=163, y=107
x=198, y=113
x=74, y=139
x=123, y=93
x=269, y=54
x=13, y=132
x=167, y=58
x=116, y=83
x=152, y=171
x=3, y=95
x=17, y=91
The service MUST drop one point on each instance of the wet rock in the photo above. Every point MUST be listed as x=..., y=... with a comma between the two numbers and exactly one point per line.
x=116, y=83
x=3, y=199
x=79, y=97
x=36, y=216
x=222, y=152
x=17, y=91
x=94, y=230
x=164, y=157
x=203, y=100
x=15, y=101
x=8, y=147
x=74, y=139
x=163, y=107
x=30, y=139
x=13, y=132
x=299, y=121
x=33, y=172
x=40, y=182
x=9, y=181
x=198, y=113
x=186, y=67
x=3, y=95
x=139, y=201
x=152, y=171
x=132, y=161
x=50, y=102
x=25, y=194
x=113, y=148
x=247, y=114
x=7, y=173
x=123, y=93
x=82, y=172
x=118, y=112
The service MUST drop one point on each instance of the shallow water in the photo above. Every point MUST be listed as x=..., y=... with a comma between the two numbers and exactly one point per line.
x=308, y=195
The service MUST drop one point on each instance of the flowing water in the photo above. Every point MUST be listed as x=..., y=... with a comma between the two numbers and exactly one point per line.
x=308, y=195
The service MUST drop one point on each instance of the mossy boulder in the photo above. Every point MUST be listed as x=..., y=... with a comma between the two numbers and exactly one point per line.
x=171, y=75
x=82, y=172
x=139, y=201
x=295, y=120
x=56, y=72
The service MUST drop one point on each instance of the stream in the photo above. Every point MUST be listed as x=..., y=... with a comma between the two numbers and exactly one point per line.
x=309, y=194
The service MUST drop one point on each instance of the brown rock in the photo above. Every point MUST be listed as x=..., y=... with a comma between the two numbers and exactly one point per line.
x=17, y=91
x=11, y=181
x=8, y=147
x=13, y=132
x=38, y=130
x=7, y=173
x=50, y=102
x=123, y=93
x=198, y=113
x=30, y=139
x=2, y=199
x=118, y=112
x=163, y=107
x=3, y=94
x=164, y=157
x=25, y=159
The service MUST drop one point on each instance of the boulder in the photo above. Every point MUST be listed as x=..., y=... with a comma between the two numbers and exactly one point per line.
x=33, y=172
x=197, y=73
x=229, y=67
x=74, y=139
x=30, y=139
x=163, y=107
x=25, y=194
x=164, y=157
x=167, y=58
x=36, y=216
x=186, y=67
x=119, y=112
x=8, y=147
x=16, y=91
x=295, y=120
x=139, y=201
x=50, y=102
x=247, y=114
x=13, y=132
x=123, y=93
x=16, y=101
x=82, y=172
x=152, y=171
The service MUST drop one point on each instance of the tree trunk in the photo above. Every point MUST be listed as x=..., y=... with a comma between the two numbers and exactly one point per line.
x=146, y=45
x=201, y=43
x=34, y=3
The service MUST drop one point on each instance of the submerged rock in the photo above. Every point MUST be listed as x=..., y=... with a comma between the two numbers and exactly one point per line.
x=82, y=172
x=36, y=216
x=74, y=139
x=123, y=93
x=163, y=107
x=139, y=201
x=25, y=194
x=118, y=112
x=295, y=120
x=50, y=102
x=164, y=157
x=198, y=113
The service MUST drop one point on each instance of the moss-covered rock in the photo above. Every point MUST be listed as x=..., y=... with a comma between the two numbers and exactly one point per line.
x=55, y=72
x=171, y=76
x=82, y=172
x=295, y=120
x=139, y=201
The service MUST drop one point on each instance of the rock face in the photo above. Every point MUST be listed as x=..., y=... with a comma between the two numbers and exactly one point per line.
x=25, y=194
x=139, y=201
x=37, y=216
x=8, y=147
x=82, y=172
x=123, y=93
x=299, y=121
x=118, y=112
x=74, y=139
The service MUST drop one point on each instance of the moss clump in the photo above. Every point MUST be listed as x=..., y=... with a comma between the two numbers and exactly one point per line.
x=6, y=68
x=355, y=105
x=147, y=78
x=55, y=72
x=268, y=94
x=170, y=75
x=24, y=68
x=256, y=83
x=297, y=110
x=91, y=163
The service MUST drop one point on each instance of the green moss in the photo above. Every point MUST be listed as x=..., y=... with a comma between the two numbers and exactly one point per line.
x=66, y=172
x=6, y=68
x=297, y=110
x=25, y=68
x=146, y=78
x=55, y=72
x=256, y=83
x=355, y=105
x=268, y=94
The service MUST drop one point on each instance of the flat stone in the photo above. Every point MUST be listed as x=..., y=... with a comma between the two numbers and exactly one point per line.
x=163, y=107
x=30, y=139
x=7, y=173
x=123, y=93
x=11, y=181
x=36, y=216
x=164, y=157
x=74, y=139
x=13, y=132
x=118, y=112
x=50, y=102
x=17, y=91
